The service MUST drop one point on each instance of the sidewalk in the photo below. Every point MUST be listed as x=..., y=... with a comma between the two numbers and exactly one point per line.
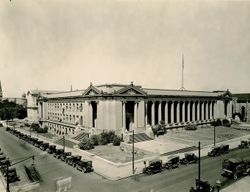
x=243, y=185
x=2, y=187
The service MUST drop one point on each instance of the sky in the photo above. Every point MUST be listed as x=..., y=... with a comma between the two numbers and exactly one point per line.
x=53, y=44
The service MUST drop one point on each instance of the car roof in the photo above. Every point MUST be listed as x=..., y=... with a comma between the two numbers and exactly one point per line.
x=173, y=156
x=234, y=160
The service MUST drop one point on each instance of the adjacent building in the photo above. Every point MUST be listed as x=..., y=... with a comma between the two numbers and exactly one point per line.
x=125, y=107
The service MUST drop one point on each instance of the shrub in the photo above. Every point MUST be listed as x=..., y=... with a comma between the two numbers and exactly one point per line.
x=35, y=126
x=42, y=130
x=117, y=141
x=95, y=139
x=86, y=144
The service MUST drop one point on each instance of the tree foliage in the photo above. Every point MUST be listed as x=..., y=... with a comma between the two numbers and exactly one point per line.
x=11, y=110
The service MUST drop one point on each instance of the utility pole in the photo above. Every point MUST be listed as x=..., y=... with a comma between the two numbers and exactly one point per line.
x=7, y=179
x=133, y=153
x=199, y=167
x=63, y=143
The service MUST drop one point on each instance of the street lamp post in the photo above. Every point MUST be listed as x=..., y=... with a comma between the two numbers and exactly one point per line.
x=199, y=166
x=214, y=135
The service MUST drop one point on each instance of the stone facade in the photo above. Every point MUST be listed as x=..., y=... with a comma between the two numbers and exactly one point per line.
x=126, y=107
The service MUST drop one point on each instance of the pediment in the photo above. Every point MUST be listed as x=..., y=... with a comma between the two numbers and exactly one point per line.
x=131, y=90
x=91, y=90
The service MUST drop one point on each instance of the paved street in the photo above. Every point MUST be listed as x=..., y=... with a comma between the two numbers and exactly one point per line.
x=180, y=179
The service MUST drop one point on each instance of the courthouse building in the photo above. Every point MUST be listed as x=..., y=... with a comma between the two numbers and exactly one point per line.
x=125, y=107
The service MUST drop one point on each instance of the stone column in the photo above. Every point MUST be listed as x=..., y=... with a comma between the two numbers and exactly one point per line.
x=183, y=111
x=188, y=111
x=166, y=113
x=202, y=110
x=124, y=115
x=211, y=110
x=159, y=112
x=207, y=112
x=178, y=112
x=198, y=111
x=146, y=113
x=153, y=113
x=193, y=111
x=136, y=114
x=172, y=112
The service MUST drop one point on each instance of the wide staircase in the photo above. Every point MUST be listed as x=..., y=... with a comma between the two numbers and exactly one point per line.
x=139, y=137
x=81, y=136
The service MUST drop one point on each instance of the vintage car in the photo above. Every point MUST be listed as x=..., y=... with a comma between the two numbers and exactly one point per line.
x=51, y=149
x=58, y=153
x=159, y=129
x=216, y=151
x=202, y=186
x=173, y=162
x=189, y=159
x=2, y=157
x=154, y=166
x=44, y=146
x=191, y=127
x=84, y=166
x=38, y=144
x=234, y=168
x=13, y=177
x=73, y=160
x=65, y=155
x=224, y=148
x=243, y=144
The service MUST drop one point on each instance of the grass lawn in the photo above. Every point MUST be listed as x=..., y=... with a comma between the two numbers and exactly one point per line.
x=206, y=134
x=114, y=153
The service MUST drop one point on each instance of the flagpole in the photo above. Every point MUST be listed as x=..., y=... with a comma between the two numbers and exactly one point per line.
x=182, y=74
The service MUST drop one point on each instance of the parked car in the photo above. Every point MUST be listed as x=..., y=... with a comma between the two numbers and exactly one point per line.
x=13, y=177
x=51, y=149
x=65, y=155
x=84, y=166
x=58, y=153
x=216, y=151
x=173, y=162
x=44, y=146
x=191, y=127
x=154, y=166
x=189, y=159
x=2, y=157
x=38, y=143
x=243, y=144
x=203, y=185
x=224, y=148
x=73, y=160
x=234, y=168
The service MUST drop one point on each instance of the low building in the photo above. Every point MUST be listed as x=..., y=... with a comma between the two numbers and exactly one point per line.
x=242, y=106
x=128, y=107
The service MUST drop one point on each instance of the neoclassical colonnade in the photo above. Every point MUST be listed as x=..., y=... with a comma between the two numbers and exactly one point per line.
x=169, y=111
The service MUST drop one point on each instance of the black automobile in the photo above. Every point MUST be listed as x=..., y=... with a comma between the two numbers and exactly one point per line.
x=173, y=162
x=11, y=169
x=153, y=167
x=243, y=144
x=65, y=155
x=51, y=149
x=13, y=177
x=2, y=157
x=203, y=185
x=189, y=159
x=44, y=146
x=84, y=166
x=235, y=167
x=33, y=141
x=58, y=153
x=38, y=143
x=191, y=127
x=73, y=160
x=224, y=148
x=216, y=151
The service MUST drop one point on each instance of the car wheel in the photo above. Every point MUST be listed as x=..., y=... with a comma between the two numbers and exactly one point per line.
x=235, y=177
x=84, y=170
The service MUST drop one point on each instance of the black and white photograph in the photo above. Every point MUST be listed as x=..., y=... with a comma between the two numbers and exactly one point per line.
x=124, y=95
